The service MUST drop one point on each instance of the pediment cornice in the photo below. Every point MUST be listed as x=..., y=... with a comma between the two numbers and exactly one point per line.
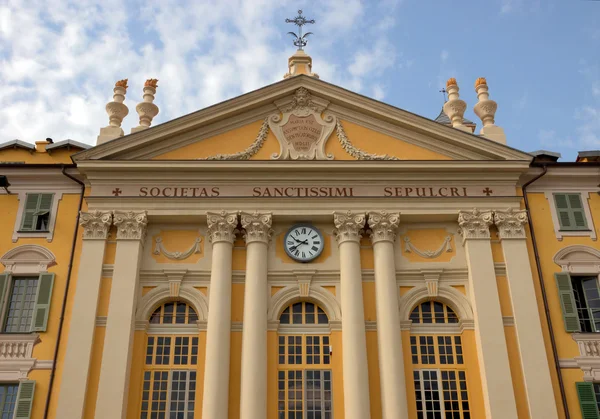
x=262, y=103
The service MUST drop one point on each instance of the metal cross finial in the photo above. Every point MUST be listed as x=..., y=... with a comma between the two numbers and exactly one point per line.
x=444, y=92
x=300, y=40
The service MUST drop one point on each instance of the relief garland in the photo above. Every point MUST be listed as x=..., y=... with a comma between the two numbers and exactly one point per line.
x=250, y=151
x=356, y=152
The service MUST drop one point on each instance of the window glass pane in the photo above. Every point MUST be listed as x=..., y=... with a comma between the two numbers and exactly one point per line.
x=8, y=397
x=21, y=304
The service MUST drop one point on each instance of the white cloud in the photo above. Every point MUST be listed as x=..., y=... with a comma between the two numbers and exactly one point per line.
x=589, y=129
x=59, y=59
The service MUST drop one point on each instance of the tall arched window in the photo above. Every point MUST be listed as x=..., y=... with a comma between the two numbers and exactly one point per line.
x=169, y=387
x=439, y=371
x=304, y=376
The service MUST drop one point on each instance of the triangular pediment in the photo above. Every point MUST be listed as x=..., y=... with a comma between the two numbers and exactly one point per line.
x=301, y=118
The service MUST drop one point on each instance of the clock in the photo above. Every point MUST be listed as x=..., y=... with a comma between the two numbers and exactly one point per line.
x=303, y=242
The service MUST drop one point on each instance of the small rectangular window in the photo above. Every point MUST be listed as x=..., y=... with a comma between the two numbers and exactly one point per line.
x=36, y=212
x=8, y=398
x=587, y=300
x=570, y=211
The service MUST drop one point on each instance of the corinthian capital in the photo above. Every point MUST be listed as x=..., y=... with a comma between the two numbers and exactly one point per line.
x=221, y=226
x=383, y=226
x=348, y=226
x=131, y=225
x=475, y=224
x=256, y=227
x=511, y=223
x=95, y=224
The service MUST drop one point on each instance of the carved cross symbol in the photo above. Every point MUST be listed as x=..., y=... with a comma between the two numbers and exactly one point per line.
x=487, y=191
x=117, y=192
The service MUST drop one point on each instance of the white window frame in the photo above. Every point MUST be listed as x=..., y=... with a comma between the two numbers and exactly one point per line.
x=169, y=387
x=48, y=235
x=585, y=196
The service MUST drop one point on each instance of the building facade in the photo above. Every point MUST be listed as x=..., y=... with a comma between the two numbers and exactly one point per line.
x=40, y=198
x=300, y=251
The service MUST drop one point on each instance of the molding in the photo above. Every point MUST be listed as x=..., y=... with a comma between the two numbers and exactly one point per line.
x=28, y=259
x=446, y=294
x=161, y=294
x=356, y=152
x=508, y=321
x=578, y=259
x=436, y=329
x=586, y=209
x=43, y=364
x=237, y=326
x=568, y=363
x=173, y=329
x=159, y=248
x=248, y=152
x=428, y=254
x=48, y=235
x=371, y=326
x=589, y=355
x=316, y=294
x=500, y=268
x=101, y=321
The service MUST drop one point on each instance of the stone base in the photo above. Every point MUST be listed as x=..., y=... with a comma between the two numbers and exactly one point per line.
x=109, y=133
x=136, y=129
x=494, y=133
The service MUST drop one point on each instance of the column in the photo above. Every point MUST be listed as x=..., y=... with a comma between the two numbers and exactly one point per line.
x=536, y=370
x=383, y=228
x=113, y=389
x=348, y=231
x=73, y=386
x=257, y=232
x=221, y=233
x=498, y=394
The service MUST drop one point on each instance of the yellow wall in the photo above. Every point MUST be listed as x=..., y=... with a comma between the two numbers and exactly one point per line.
x=548, y=245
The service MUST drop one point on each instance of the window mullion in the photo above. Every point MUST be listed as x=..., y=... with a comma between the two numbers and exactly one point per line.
x=441, y=391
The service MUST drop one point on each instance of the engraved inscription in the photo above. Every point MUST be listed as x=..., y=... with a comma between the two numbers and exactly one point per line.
x=302, y=132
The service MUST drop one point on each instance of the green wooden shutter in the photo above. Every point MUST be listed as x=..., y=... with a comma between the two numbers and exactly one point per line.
x=587, y=400
x=42, y=302
x=577, y=211
x=29, y=218
x=25, y=399
x=4, y=281
x=567, y=301
x=569, y=208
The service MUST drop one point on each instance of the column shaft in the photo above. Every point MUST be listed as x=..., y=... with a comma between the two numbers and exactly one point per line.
x=113, y=390
x=73, y=387
x=253, y=400
x=215, y=400
x=354, y=341
x=536, y=370
x=496, y=380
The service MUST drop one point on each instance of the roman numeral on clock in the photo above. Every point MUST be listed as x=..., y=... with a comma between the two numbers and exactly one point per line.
x=314, y=248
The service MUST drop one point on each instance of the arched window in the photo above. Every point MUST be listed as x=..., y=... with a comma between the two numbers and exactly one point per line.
x=433, y=312
x=171, y=359
x=304, y=376
x=439, y=370
x=175, y=312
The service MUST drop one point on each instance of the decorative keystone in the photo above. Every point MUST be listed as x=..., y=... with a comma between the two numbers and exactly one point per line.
x=221, y=226
x=383, y=226
x=256, y=227
x=348, y=226
x=475, y=224
x=511, y=223
x=96, y=224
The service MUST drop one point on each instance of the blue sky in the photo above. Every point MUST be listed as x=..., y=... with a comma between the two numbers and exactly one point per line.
x=59, y=59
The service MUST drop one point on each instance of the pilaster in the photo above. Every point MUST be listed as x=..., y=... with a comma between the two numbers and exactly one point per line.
x=113, y=388
x=536, y=370
x=257, y=232
x=348, y=231
x=73, y=387
x=496, y=380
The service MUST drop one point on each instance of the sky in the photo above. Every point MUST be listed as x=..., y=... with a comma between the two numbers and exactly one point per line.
x=59, y=60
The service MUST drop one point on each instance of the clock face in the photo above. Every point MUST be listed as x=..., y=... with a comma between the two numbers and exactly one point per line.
x=303, y=242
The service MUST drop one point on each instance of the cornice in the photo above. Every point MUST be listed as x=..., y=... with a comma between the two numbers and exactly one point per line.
x=342, y=101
